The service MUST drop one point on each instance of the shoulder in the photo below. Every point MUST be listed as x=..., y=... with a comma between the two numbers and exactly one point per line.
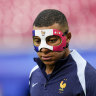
x=77, y=57
x=90, y=77
x=79, y=60
x=90, y=72
x=33, y=70
x=86, y=74
x=81, y=65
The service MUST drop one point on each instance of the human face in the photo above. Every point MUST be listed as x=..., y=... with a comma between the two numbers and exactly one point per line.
x=46, y=55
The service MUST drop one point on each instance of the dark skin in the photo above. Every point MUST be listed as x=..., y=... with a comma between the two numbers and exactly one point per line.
x=52, y=57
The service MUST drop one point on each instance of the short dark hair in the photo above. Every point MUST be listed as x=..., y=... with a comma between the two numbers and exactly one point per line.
x=50, y=16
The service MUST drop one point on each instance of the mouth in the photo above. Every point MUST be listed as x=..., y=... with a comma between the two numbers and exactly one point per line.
x=46, y=58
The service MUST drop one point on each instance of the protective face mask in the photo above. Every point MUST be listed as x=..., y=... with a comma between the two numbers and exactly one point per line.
x=52, y=39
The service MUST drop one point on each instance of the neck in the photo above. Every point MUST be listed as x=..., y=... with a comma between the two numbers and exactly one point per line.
x=67, y=52
x=49, y=69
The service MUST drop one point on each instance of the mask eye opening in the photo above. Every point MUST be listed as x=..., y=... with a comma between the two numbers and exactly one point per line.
x=53, y=40
x=36, y=40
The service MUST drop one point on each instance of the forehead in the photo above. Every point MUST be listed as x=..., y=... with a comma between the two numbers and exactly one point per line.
x=54, y=26
x=46, y=33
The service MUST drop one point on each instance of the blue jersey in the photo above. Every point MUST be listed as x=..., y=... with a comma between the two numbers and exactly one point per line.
x=72, y=76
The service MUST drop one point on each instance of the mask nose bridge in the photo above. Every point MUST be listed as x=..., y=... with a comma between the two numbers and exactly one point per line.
x=43, y=43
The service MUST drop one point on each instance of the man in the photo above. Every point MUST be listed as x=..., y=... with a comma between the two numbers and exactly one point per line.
x=59, y=71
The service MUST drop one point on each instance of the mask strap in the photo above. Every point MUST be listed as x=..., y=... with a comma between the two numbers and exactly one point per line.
x=65, y=33
x=66, y=46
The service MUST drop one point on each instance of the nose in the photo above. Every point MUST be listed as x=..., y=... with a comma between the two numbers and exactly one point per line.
x=45, y=50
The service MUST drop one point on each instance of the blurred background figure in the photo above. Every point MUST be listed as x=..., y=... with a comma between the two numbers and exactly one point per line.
x=16, y=49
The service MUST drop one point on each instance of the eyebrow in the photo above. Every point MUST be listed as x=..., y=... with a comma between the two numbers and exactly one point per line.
x=36, y=37
x=53, y=36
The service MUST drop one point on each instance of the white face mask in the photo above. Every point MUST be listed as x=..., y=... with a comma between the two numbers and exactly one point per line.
x=43, y=34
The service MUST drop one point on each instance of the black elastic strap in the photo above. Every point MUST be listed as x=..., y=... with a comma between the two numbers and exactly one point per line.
x=65, y=33
x=66, y=46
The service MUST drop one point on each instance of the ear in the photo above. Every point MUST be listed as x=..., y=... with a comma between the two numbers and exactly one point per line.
x=68, y=37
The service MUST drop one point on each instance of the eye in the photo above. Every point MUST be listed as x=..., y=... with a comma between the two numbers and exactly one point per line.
x=36, y=41
x=52, y=40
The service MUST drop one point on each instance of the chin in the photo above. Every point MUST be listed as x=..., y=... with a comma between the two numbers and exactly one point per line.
x=49, y=62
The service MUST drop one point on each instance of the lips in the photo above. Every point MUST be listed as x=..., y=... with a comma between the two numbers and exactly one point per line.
x=46, y=57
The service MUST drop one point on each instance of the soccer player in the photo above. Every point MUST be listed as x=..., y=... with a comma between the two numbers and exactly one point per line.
x=59, y=70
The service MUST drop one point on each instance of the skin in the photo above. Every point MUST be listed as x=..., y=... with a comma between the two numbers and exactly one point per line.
x=53, y=57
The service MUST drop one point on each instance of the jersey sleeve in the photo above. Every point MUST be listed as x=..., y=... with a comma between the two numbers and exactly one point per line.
x=90, y=77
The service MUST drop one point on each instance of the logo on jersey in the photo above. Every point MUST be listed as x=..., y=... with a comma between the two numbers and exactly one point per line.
x=34, y=84
x=43, y=33
x=62, y=85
